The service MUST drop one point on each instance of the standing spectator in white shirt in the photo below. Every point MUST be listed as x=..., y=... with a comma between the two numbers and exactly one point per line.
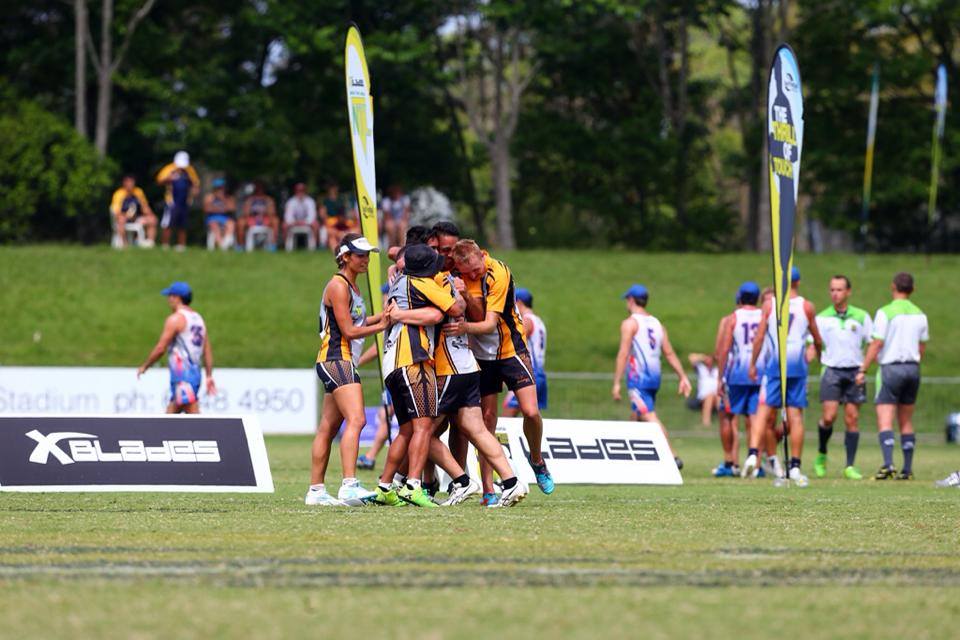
x=396, y=215
x=301, y=211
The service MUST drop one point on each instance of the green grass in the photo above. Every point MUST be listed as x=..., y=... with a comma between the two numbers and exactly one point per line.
x=711, y=558
x=95, y=306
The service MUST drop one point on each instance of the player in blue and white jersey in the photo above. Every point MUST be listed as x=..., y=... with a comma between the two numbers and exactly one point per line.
x=184, y=339
x=642, y=340
x=801, y=322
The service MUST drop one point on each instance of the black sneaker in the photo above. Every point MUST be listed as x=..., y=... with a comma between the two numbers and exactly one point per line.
x=905, y=475
x=432, y=488
x=885, y=473
x=679, y=462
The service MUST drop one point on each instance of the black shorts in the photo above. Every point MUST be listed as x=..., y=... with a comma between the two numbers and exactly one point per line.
x=458, y=392
x=174, y=216
x=516, y=371
x=899, y=383
x=840, y=385
x=337, y=373
x=413, y=390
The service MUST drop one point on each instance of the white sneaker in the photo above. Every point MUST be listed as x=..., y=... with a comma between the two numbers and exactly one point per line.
x=147, y=244
x=749, y=469
x=777, y=467
x=459, y=494
x=180, y=248
x=512, y=496
x=797, y=477
x=353, y=494
x=321, y=499
x=952, y=480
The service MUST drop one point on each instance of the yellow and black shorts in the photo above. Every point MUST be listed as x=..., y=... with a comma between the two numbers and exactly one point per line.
x=516, y=372
x=413, y=390
x=337, y=373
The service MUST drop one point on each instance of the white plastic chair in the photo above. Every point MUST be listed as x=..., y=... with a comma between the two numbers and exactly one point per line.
x=134, y=233
x=298, y=231
x=261, y=233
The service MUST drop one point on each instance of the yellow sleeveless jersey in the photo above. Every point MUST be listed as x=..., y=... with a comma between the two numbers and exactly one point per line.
x=496, y=288
x=334, y=345
x=409, y=344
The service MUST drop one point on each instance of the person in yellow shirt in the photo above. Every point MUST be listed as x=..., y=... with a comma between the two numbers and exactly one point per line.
x=129, y=204
x=183, y=185
x=500, y=344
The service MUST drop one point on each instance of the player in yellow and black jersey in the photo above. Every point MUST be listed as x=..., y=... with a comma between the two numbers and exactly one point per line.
x=499, y=343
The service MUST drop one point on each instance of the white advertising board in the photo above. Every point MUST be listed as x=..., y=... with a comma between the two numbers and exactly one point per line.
x=283, y=400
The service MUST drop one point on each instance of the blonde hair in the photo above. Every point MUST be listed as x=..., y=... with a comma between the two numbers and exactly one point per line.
x=464, y=249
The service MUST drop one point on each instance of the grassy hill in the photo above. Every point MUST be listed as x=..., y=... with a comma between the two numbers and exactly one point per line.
x=94, y=306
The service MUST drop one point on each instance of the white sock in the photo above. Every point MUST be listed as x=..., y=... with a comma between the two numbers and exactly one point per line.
x=413, y=483
x=349, y=482
x=399, y=478
x=317, y=487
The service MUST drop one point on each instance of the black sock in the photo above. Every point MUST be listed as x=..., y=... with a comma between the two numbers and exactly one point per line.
x=463, y=480
x=728, y=464
x=509, y=483
x=753, y=452
x=825, y=432
x=794, y=462
x=886, y=446
x=384, y=486
x=907, y=443
x=851, y=440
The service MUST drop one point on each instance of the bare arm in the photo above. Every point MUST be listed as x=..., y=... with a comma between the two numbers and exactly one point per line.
x=811, y=312
x=923, y=349
x=369, y=355
x=527, y=326
x=340, y=301
x=208, y=365
x=671, y=356
x=171, y=327
x=628, y=329
x=725, y=336
x=425, y=317
x=474, y=308
x=868, y=359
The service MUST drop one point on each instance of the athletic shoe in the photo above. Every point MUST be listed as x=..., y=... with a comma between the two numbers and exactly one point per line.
x=511, y=497
x=750, y=467
x=762, y=473
x=387, y=498
x=180, y=248
x=736, y=470
x=490, y=499
x=905, y=475
x=679, y=462
x=852, y=473
x=544, y=479
x=952, y=480
x=820, y=465
x=723, y=471
x=432, y=488
x=460, y=494
x=316, y=498
x=363, y=462
x=885, y=473
x=417, y=497
x=353, y=494
x=798, y=478
x=147, y=244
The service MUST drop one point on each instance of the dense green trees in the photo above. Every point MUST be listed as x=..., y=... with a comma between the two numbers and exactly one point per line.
x=608, y=122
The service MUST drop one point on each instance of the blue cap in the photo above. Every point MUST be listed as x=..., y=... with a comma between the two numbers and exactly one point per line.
x=748, y=288
x=178, y=288
x=219, y=182
x=795, y=274
x=524, y=296
x=636, y=291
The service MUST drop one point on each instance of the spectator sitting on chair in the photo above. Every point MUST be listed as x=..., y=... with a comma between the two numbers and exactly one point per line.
x=130, y=205
x=396, y=214
x=707, y=385
x=220, y=208
x=300, y=211
x=259, y=210
x=337, y=216
x=183, y=185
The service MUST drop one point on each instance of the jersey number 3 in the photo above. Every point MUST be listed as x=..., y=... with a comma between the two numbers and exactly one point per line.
x=197, y=332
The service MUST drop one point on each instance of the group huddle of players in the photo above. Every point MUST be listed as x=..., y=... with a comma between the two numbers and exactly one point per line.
x=847, y=341
x=453, y=337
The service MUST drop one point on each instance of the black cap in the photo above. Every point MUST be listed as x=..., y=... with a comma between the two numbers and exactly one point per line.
x=421, y=261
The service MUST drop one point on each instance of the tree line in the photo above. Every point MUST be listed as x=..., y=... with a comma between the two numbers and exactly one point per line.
x=633, y=123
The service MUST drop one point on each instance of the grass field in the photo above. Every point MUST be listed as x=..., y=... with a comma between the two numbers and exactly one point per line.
x=709, y=559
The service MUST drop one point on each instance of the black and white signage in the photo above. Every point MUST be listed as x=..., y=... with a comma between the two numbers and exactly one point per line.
x=114, y=453
x=589, y=452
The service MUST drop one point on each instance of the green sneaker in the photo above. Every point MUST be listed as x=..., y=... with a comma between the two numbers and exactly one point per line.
x=388, y=498
x=417, y=497
x=820, y=465
x=852, y=473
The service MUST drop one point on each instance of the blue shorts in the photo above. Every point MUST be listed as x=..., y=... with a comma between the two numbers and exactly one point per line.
x=218, y=218
x=174, y=216
x=185, y=387
x=642, y=401
x=742, y=399
x=796, y=392
x=541, y=381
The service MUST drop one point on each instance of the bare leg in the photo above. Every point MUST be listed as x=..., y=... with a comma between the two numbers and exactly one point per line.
x=349, y=400
x=330, y=420
x=397, y=453
x=851, y=416
x=458, y=443
x=488, y=407
x=532, y=422
x=419, y=447
x=182, y=237
x=651, y=416
x=378, y=440
x=706, y=410
x=795, y=420
x=488, y=447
